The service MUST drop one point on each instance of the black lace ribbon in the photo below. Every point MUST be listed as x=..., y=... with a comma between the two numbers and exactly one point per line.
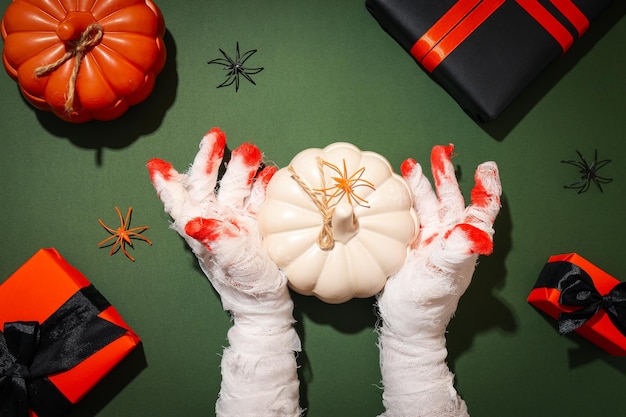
x=578, y=290
x=31, y=352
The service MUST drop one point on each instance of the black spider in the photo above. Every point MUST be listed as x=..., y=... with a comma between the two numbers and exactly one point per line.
x=589, y=173
x=235, y=67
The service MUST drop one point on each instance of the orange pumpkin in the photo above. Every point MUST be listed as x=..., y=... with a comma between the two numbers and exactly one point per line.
x=84, y=59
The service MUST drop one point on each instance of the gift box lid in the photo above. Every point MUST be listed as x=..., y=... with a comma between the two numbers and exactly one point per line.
x=79, y=336
x=596, y=312
x=485, y=52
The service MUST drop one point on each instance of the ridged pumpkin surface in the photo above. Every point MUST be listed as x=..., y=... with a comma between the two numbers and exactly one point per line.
x=116, y=70
x=371, y=222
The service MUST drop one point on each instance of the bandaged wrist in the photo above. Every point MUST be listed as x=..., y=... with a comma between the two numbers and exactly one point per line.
x=416, y=378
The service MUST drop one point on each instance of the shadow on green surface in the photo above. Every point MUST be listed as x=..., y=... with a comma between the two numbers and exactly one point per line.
x=139, y=120
x=480, y=309
x=349, y=317
x=585, y=352
x=112, y=384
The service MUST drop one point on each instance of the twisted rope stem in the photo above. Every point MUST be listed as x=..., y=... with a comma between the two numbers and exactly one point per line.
x=90, y=37
x=325, y=239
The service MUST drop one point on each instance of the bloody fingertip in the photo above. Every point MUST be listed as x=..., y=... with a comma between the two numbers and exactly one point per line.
x=220, y=136
x=250, y=154
x=217, y=150
x=160, y=167
x=266, y=174
x=203, y=230
x=440, y=158
x=407, y=167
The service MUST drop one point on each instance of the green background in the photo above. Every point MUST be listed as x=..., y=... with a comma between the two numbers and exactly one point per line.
x=331, y=74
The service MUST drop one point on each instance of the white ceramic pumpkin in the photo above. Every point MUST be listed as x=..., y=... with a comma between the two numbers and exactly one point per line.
x=338, y=221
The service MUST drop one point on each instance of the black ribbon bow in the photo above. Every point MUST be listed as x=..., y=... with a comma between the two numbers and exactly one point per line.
x=577, y=290
x=30, y=352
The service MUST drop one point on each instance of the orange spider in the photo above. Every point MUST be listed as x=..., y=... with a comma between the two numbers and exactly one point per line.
x=345, y=185
x=123, y=235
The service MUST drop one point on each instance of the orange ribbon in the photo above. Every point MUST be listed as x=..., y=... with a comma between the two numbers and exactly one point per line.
x=467, y=15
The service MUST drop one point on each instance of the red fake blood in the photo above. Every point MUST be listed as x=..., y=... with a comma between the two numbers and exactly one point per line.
x=429, y=240
x=440, y=160
x=481, y=242
x=204, y=230
x=208, y=230
x=480, y=196
x=217, y=153
x=251, y=156
x=266, y=175
x=407, y=167
x=160, y=167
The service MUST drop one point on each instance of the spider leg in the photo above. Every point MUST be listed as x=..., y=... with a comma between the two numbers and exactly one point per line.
x=229, y=81
x=126, y=252
x=119, y=214
x=246, y=55
x=332, y=166
x=247, y=77
x=252, y=71
x=577, y=164
x=107, y=239
x=220, y=61
x=360, y=200
x=585, y=187
x=595, y=180
x=338, y=194
x=355, y=181
x=229, y=59
x=582, y=158
x=134, y=235
x=603, y=180
x=602, y=163
x=137, y=230
x=108, y=229
x=577, y=184
x=237, y=81
x=238, y=56
x=582, y=163
x=127, y=221
x=116, y=246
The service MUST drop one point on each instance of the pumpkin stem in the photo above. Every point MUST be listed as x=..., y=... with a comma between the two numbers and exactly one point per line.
x=344, y=222
x=74, y=25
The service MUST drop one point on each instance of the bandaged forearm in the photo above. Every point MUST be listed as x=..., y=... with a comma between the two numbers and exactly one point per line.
x=416, y=378
x=259, y=369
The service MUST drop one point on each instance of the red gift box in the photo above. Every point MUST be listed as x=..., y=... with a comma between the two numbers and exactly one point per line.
x=72, y=330
x=584, y=299
x=485, y=52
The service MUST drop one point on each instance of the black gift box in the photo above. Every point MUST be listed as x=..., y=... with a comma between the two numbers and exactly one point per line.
x=485, y=52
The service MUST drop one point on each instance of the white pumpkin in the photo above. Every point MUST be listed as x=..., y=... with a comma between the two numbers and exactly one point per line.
x=338, y=221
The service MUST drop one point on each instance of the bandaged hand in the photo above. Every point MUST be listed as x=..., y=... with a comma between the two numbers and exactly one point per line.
x=259, y=370
x=419, y=300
